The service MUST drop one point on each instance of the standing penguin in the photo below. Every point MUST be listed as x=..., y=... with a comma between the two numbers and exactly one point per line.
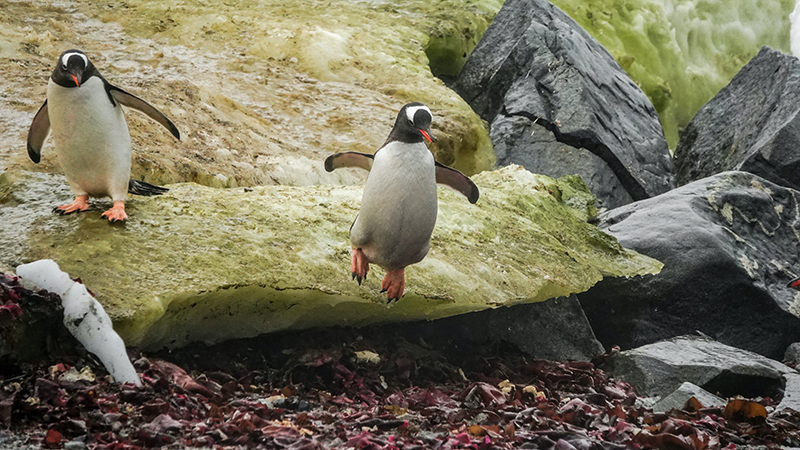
x=399, y=206
x=91, y=135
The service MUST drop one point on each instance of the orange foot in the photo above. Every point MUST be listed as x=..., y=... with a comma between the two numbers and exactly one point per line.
x=116, y=213
x=81, y=203
x=394, y=284
x=359, y=266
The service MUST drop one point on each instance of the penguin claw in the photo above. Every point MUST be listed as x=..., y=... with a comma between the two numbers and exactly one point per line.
x=116, y=213
x=359, y=266
x=81, y=203
x=394, y=284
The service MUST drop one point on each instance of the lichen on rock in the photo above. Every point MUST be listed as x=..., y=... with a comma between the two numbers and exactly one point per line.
x=208, y=264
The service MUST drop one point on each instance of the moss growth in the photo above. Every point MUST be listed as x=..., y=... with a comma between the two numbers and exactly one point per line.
x=262, y=91
x=453, y=37
x=374, y=46
x=208, y=264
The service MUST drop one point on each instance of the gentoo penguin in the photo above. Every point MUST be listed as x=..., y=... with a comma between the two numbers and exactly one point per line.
x=91, y=136
x=398, y=209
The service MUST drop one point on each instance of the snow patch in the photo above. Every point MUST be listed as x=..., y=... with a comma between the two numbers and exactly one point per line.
x=84, y=317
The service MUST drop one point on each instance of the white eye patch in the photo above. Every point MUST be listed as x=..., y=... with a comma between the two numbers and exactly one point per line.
x=67, y=56
x=412, y=110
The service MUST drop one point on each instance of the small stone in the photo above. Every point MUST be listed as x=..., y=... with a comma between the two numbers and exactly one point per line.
x=792, y=355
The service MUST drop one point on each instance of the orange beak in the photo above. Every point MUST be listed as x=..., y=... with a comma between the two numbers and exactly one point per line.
x=77, y=81
x=425, y=135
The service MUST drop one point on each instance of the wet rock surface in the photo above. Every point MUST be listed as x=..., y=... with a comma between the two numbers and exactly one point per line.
x=261, y=92
x=729, y=246
x=751, y=125
x=686, y=391
x=518, y=140
x=536, y=63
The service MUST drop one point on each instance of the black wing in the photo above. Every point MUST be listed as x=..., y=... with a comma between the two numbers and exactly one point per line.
x=457, y=180
x=37, y=133
x=132, y=101
x=349, y=159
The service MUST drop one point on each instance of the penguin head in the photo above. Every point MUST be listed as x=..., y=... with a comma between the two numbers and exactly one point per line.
x=72, y=69
x=413, y=124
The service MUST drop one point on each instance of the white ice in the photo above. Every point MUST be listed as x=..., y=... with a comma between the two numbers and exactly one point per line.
x=84, y=317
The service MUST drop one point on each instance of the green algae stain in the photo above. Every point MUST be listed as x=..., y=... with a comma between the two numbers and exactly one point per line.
x=208, y=264
x=371, y=46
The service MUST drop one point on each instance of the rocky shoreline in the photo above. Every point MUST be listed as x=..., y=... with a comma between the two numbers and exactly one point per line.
x=642, y=305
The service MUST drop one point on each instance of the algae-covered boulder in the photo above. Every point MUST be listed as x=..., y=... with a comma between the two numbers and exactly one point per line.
x=260, y=91
x=681, y=52
x=203, y=263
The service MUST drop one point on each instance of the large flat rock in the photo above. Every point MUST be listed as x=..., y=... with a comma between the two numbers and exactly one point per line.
x=662, y=367
x=208, y=264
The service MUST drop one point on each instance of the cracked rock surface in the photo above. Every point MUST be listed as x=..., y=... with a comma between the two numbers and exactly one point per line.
x=729, y=244
x=752, y=125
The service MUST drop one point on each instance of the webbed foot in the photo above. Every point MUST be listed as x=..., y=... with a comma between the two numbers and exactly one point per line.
x=394, y=284
x=81, y=203
x=116, y=213
x=359, y=266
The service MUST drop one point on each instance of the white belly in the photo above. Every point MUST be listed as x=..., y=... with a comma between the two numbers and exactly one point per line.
x=91, y=139
x=398, y=208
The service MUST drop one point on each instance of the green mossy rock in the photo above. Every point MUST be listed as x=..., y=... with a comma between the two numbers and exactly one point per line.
x=260, y=90
x=206, y=264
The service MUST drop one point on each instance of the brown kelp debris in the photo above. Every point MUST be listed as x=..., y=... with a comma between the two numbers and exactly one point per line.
x=324, y=389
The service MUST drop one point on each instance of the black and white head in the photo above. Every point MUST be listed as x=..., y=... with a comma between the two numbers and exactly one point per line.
x=73, y=68
x=413, y=124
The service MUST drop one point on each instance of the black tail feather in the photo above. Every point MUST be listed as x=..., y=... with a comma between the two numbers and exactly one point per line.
x=144, y=188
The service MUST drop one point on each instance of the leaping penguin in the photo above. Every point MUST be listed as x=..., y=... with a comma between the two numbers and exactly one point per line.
x=399, y=206
x=91, y=136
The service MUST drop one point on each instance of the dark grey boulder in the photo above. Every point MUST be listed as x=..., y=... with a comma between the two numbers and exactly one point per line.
x=660, y=368
x=31, y=325
x=729, y=244
x=555, y=329
x=752, y=125
x=519, y=140
x=535, y=62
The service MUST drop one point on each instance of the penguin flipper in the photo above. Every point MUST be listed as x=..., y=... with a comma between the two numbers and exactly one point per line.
x=349, y=159
x=40, y=128
x=457, y=180
x=138, y=187
x=132, y=101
